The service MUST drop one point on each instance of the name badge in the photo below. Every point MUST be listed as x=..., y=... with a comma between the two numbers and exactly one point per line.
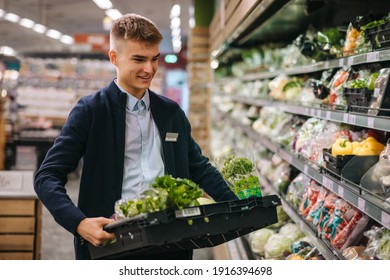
x=171, y=137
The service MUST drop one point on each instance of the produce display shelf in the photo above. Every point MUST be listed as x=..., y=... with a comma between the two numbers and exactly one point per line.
x=189, y=228
x=380, y=212
x=327, y=251
x=376, y=122
x=371, y=57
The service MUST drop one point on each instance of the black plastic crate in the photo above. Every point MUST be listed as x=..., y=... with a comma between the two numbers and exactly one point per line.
x=335, y=163
x=190, y=228
x=358, y=99
x=379, y=36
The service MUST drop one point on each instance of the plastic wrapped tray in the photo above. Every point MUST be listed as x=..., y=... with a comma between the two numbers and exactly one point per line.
x=190, y=228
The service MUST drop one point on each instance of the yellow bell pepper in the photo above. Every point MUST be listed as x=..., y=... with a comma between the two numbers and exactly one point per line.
x=342, y=147
x=369, y=147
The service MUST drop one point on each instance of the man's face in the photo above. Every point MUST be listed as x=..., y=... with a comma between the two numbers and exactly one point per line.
x=136, y=63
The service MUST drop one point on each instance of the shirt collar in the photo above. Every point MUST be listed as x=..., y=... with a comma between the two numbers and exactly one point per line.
x=132, y=101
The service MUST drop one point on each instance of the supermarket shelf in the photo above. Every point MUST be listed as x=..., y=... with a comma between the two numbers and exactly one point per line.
x=327, y=251
x=376, y=122
x=371, y=57
x=377, y=211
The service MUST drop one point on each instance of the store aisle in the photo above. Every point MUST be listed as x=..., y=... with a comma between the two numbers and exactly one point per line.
x=57, y=243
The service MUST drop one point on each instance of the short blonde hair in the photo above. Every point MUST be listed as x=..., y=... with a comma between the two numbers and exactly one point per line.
x=134, y=27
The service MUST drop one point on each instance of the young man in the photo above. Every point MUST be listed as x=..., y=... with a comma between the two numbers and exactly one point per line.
x=127, y=136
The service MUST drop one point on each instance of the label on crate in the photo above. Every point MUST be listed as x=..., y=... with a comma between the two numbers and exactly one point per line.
x=188, y=212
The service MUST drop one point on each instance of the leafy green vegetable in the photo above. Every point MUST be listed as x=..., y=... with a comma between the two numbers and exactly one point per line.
x=238, y=172
x=165, y=192
x=181, y=192
x=235, y=166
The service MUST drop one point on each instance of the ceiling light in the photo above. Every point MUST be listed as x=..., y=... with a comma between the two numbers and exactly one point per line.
x=113, y=13
x=103, y=4
x=25, y=22
x=39, y=28
x=67, y=39
x=175, y=23
x=52, y=33
x=176, y=32
x=7, y=51
x=2, y=13
x=175, y=11
x=11, y=17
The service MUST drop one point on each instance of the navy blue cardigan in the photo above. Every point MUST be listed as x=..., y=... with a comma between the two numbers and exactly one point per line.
x=95, y=131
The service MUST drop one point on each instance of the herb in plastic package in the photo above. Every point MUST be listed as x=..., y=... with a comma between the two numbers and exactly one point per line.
x=296, y=188
x=379, y=243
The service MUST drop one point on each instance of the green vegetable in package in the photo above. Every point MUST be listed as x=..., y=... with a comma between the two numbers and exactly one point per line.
x=165, y=192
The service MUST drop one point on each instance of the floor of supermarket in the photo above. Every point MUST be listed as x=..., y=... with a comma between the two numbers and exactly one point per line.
x=57, y=243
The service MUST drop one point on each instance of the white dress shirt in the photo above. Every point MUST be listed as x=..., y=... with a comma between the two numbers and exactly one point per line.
x=143, y=151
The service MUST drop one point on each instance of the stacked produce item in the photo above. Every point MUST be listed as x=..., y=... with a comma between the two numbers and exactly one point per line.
x=338, y=222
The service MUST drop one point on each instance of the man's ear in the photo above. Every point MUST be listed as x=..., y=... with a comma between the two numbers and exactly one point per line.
x=113, y=56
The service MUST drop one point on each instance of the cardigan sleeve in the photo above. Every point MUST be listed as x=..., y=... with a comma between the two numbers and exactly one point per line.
x=61, y=159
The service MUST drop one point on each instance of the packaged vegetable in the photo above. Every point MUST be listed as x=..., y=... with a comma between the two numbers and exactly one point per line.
x=291, y=231
x=378, y=243
x=259, y=238
x=277, y=246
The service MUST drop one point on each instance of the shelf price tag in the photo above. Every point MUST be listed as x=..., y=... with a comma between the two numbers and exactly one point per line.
x=305, y=169
x=370, y=122
x=352, y=119
x=385, y=219
x=328, y=115
x=372, y=57
x=350, y=60
x=361, y=204
x=341, y=62
x=328, y=183
x=312, y=112
x=345, y=118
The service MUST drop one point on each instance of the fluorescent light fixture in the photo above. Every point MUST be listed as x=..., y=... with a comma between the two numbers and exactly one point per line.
x=52, y=33
x=11, y=17
x=103, y=4
x=175, y=11
x=175, y=23
x=39, y=28
x=113, y=13
x=7, y=51
x=66, y=39
x=176, y=43
x=25, y=22
x=2, y=13
x=176, y=32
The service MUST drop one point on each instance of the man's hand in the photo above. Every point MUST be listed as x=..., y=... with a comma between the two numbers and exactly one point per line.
x=91, y=229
